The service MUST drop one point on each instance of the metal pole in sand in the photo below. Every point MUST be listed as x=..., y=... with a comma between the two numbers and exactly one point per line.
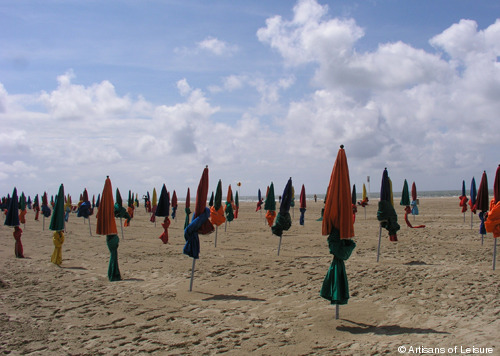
x=121, y=227
x=494, y=253
x=90, y=229
x=216, y=235
x=192, y=276
x=279, y=247
x=379, y=239
x=471, y=215
x=337, y=311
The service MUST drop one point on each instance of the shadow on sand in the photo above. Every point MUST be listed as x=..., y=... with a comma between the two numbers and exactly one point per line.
x=361, y=328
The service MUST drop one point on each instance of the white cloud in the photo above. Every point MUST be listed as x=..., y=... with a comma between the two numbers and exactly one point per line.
x=216, y=46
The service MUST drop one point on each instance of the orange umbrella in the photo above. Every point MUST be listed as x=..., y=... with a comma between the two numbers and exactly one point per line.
x=106, y=225
x=339, y=226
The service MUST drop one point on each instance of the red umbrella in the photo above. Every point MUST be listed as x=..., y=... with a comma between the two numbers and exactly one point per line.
x=187, y=208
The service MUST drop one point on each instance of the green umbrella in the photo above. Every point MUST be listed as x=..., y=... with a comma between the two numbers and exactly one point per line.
x=405, y=195
x=270, y=205
x=57, y=225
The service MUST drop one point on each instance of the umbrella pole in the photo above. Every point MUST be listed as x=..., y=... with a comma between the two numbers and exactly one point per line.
x=337, y=311
x=44, y=223
x=494, y=253
x=90, y=229
x=121, y=227
x=379, y=239
x=192, y=276
x=225, y=226
x=216, y=235
x=482, y=239
x=471, y=215
x=364, y=208
x=279, y=247
x=464, y=216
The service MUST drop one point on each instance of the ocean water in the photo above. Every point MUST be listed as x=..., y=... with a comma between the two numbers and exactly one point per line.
x=375, y=195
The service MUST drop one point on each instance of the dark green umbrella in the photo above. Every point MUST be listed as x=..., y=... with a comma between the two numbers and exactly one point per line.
x=386, y=214
x=216, y=210
x=12, y=219
x=270, y=205
x=283, y=220
x=57, y=225
x=120, y=211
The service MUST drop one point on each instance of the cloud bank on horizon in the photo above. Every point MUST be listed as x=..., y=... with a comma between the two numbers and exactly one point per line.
x=428, y=115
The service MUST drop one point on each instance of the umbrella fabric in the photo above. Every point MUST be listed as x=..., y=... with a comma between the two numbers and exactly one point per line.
x=339, y=226
x=163, y=208
x=68, y=205
x=338, y=206
x=216, y=210
x=28, y=203
x=463, y=198
x=386, y=213
x=482, y=202
x=260, y=201
x=22, y=208
x=36, y=207
x=473, y=195
x=270, y=205
x=120, y=211
x=45, y=206
x=58, y=240
x=353, y=203
x=113, y=270
x=335, y=286
x=192, y=246
x=229, y=204
x=12, y=218
x=492, y=223
x=302, y=204
x=154, y=206
x=201, y=202
x=106, y=224
x=496, y=186
x=164, y=236
x=283, y=220
x=211, y=201
x=414, y=206
x=130, y=208
x=405, y=195
x=174, y=204
x=57, y=220
x=18, y=247
x=187, y=208
x=236, y=205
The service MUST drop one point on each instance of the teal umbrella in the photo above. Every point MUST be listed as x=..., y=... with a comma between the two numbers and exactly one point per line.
x=57, y=225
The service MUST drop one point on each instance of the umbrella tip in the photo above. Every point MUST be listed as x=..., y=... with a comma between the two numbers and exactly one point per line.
x=341, y=146
x=206, y=166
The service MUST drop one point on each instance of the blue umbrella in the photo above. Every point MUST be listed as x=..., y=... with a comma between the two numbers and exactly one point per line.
x=12, y=219
x=472, y=201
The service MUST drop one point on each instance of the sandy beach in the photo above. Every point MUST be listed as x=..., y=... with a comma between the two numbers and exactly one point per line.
x=434, y=288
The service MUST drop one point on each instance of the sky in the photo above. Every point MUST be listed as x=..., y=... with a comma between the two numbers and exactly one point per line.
x=150, y=92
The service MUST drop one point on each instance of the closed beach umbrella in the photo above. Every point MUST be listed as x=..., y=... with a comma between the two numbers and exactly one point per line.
x=12, y=219
x=120, y=211
x=283, y=219
x=472, y=200
x=302, y=205
x=463, y=199
x=414, y=205
x=174, y=204
x=57, y=225
x=339, y=226
x=353, y=203
x=386, y=213
x=187, y=208
x=236, y=204
x=163, y=210
x=405, y=200
x=154, y=206
x=259, y=201
x=22, y=208
x=270, y=205
x=200, y=224
x=216, y=210
x=106, y=225
x=483, y=203
x=229, y=205
x=492, y=223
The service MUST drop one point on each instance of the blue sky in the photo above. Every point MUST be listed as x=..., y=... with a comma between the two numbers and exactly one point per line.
x=150, y=92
